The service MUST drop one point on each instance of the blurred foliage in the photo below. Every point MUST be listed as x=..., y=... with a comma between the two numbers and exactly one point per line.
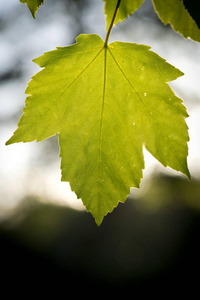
x=148, y=241
x=170, y=191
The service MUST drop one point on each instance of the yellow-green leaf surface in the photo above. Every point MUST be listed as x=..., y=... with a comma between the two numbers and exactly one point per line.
x=127, y=7
x=105, y=102
x=33, y=5
x=173, y=12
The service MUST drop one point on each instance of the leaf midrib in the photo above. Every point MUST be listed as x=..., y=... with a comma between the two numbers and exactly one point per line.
x=105, y=47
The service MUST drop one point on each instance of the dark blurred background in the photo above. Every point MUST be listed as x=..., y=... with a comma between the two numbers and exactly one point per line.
x=150, y=241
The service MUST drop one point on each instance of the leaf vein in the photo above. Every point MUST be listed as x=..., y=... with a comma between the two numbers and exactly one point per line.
x=68, y=87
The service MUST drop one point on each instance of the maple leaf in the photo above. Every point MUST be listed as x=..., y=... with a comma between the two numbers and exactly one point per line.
x=173, y=12
x=105, y=102
x=193, y=7
x=33, y=5
x=127, y=8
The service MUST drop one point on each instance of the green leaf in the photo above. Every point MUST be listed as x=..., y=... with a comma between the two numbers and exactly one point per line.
x=173, y=12
x=33, y=5
x=105, y=102
x=127, y=7
x=193, y=8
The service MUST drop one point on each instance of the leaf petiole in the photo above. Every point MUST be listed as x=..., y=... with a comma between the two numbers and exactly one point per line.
x=112, y=22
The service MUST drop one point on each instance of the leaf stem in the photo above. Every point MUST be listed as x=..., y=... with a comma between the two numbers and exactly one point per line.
x=112, y=22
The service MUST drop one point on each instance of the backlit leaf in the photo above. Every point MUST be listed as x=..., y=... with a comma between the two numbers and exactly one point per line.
x=127, y=7
x=105, y=102
x=193, y=8
x=173, y=12
x=33, y=5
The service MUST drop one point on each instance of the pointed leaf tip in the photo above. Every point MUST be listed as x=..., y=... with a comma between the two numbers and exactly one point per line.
x=33, y=5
